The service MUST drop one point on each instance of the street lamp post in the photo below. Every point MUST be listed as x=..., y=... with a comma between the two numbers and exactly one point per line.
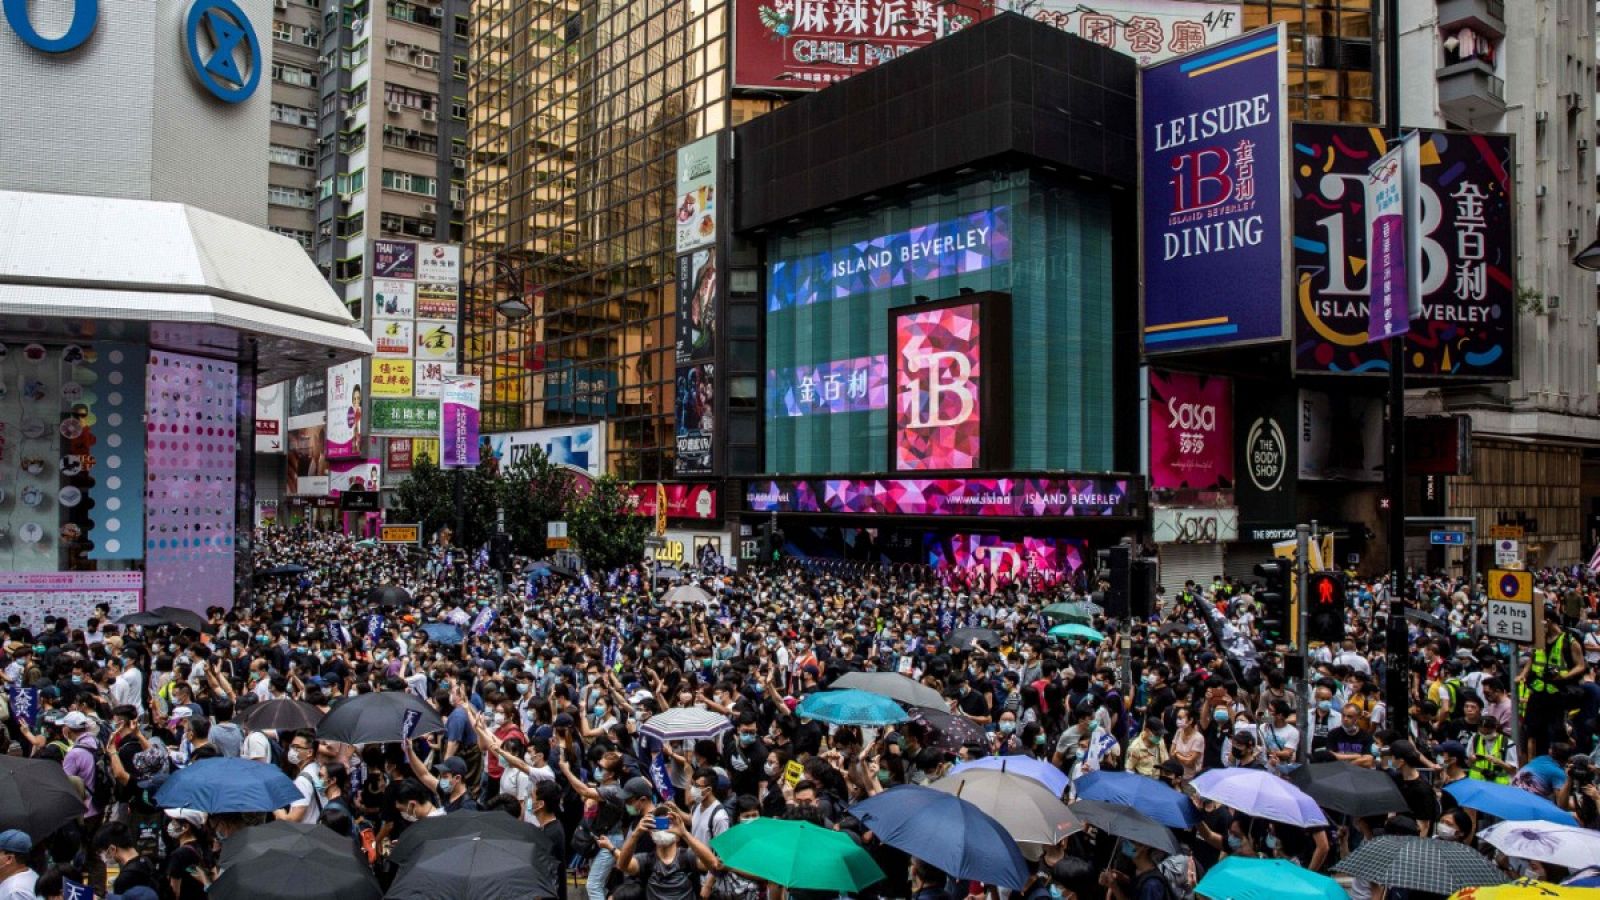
x=1397, y=678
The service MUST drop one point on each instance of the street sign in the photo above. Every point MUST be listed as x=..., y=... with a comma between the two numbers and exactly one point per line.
x=556, y=536
x=1511, y=609
x=1507, y=552
x=1447, y=538
x=1509, y=532
x=400, y=534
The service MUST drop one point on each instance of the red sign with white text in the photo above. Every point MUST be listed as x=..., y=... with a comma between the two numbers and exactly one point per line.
x=938, y=413
x=684, y=501
x=788, y=45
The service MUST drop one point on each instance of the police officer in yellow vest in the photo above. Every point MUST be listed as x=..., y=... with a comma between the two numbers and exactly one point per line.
x=1549, y=669
x=1490, y=754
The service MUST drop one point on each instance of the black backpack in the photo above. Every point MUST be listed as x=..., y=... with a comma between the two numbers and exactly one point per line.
x=104, y=782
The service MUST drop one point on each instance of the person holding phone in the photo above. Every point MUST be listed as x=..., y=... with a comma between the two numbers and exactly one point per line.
x=668, y=873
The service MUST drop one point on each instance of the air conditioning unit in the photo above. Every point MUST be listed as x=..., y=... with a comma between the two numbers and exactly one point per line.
x=429, y=209
x=1583, y=144
x=394, y=109
x=1541, y=116
x=425, y=229
x=437, y=10
x=1552, y=303
x=429, y=115
x=324, y=60
x=280, y=4
x=1540, y=191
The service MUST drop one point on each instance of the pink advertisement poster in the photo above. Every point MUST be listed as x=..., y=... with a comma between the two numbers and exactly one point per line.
x=1191, y=432
x=992, y=561
x=190, y=446
x=938, y=416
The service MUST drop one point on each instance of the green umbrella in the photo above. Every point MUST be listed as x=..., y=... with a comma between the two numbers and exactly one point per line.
x=1069, y=612
x=1080, y=632
x=797, y=855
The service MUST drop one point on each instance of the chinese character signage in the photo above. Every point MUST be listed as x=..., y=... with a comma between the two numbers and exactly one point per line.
x=1394, y=208
x=698, y=306
x=436, y=301
x=970, y=243
x=437, y=340
x=837, y=386
x=392, y=377
x=269, y=418
x=1191, y=432
x=438, y=264
x=431, y=374
x=1147, y=30
x=392, y=337
x=1466, y=279
x=938, y=376
x=788, y=45
x=405, y=417
x=697, y=194
x=1214, y=136
x=991, y=561
x=980, y=497
x=394, y=259
x=394, y=298
x=344, y=410
x=458, y=426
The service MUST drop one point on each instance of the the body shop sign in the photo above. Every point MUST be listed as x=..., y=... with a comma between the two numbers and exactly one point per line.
x=787, y=45
x=1191, y=432
x=1213, y=138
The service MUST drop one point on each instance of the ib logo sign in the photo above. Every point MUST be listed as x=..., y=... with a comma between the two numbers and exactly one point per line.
x=218, y=38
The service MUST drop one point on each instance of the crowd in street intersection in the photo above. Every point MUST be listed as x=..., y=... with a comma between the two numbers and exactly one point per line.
x=386, y=722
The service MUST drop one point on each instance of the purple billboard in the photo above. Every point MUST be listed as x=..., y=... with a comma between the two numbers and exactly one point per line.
x=836, y=386
x=969, y=243
x=1214, y=139
x=985, y=497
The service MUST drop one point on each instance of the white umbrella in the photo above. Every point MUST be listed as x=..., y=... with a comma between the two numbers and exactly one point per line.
x=1563, y=845
x=686, y=723
x=687, y=593
x=1261, y=794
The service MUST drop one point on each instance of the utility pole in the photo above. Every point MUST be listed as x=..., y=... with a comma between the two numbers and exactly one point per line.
x=1302, y=639
x=1397, y=673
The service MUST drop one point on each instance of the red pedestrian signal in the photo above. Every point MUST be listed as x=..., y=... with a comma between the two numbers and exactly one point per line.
x=1326, y=591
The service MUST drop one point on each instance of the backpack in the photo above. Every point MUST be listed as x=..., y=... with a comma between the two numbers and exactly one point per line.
x=1181, y=873
x=104, y=781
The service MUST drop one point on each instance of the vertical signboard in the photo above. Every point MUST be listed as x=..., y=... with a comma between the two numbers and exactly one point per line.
x=1213, y=138
x=1464, y=323
x=1265, y=450
x=1394, y=210
x=269, y=418
x=458, y=421
x=306, y=448
x=698, y=307
x=948, y=388
x=1191, y=432
x=345, y=411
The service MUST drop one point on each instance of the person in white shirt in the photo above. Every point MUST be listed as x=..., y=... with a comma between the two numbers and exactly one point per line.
x=16, y=879
x=301, y=754
x=127, y=685
x=708, y=817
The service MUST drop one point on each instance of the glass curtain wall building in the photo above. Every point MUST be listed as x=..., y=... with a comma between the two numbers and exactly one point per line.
x=577, y=111
x=1332, y=56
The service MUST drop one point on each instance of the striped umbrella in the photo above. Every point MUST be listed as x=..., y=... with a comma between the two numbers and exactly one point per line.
x=686, y=723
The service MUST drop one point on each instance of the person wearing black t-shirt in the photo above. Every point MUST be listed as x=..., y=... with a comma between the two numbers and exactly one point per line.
x=119, y=849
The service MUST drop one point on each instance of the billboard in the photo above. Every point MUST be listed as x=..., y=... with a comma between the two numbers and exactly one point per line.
x=578, y=446
x=394, y=298
x=837, y=386
x=1468, y=278
x=980, y=497
x=393, y=377
x=1191, y=432
x=684, y=501
x=698, y=306
x=1213, y=140
x=1147, y=30
x=437, y=340
x=306, y=443
x=458, y=422
x=438, y=264
x=969, y=243
x=394, y=259
x=437, y=301
x=1341, y=437
x=392, y=337
x=695, y=418
x=405, y=417
x=269, y=418
x=696, y=212
x=1265, y=448
x=353, y=475
x=345, y=410
x=431, y=374
x=787, y=45
x=939, y=403
x=998, y=561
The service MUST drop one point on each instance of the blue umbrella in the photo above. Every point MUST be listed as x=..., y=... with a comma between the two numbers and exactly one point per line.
x=1149, y=796
x=1506, y=802
x=945, y=831
x=1244, y=878
x=226, y=784
x=1074, y=631
x=539, y=568
x=1036, y=769
x=444, y=633
x=850, y=707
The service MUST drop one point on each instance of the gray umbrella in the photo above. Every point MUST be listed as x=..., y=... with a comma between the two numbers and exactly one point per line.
x=687, y=593
x=1420, y=864
x=476, y=869
x=1022, y=806
x=1126, y=823
x=893, y=685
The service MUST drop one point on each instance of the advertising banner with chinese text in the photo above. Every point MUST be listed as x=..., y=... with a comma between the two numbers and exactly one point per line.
x=1214, y=142
x=787, y=45
x=394, y=298
x=1191, y=431
x=345, y=411
x=695, y=417
x=431, y=374
x=458, y=423
x=696, y=211
x=1147, y=30
x=405, y=417
x=393, y=377
x=394, y=259
x=698, y=306
x=439, y=264
x=437, y=340
x=392, y=338
x=1467, y=277
x=269, y=418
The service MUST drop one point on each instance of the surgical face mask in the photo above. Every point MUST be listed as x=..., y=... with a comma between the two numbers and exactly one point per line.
x=1008, y=727
x=295, y=756
x=1235, y=842
x=499, y=719
x=522, y=687
x=446, y=785
x=747, y=738
x=1129, y=850
x=408, y=815
x=696, y=793
x=174, y=830
x=1221, y=715
x=663, y=838
x=1325, y=705
x=771, y=769
x=1445, y=831
x=1272, y=842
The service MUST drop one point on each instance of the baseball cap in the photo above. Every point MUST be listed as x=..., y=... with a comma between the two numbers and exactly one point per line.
x=455, y=765
x=636, y=788
x=1454, y=748
x=15, y=841
x=563, y=720
x=75, y=721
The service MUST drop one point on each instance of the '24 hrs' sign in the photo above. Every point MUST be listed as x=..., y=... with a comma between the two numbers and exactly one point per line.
x=218, y=37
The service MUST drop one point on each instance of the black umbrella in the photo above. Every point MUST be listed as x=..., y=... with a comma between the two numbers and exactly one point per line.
x=281, y=715
x=953, y=731
x=1432, y=621
x=963, y=638
x=276, y=875
x=475, y=868
x=467, y=824
x=389, y=595
x=280, y=571
x=165, y=615
x=36, y=797
x=297, y=839
x=1348, y=788
x=377, y=718
x=1126, y=823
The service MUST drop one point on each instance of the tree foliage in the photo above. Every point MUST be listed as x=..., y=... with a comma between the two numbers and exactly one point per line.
x=603, y=527
x=533, y=491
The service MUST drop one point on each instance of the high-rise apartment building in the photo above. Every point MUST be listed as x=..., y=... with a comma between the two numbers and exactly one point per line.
x=292, y=156
x=578, y=110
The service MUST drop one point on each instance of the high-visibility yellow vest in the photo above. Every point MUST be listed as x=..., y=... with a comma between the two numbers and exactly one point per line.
x=1484, y=770
x=1546, y=665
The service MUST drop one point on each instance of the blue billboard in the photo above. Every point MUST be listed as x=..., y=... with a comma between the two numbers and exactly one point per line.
x=1214, y=139
x=580, y=390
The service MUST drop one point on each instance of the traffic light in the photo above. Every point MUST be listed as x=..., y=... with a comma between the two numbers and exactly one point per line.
x=1115, y=562
x=1325, y=591
x=1274, y=600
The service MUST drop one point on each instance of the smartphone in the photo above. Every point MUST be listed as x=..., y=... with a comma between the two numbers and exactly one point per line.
x=663, y=823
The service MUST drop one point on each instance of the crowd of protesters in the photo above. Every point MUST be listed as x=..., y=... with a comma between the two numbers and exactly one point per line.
x=544, y=697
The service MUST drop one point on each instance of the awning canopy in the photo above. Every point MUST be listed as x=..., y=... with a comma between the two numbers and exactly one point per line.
x=110, y=267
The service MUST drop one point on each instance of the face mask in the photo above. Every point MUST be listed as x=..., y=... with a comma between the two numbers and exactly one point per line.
x=174, y=830
x=294, y=756
x=1272, y=842
x=695, y=794
x=1221, y=715
x=746, y=739
x=599, y=712
x=1324, y=705
x=663, y=838
x=1235, y=842
x=1128, y=849
x=1008, y=727
x=499, y=719
x=771, y=769
x=1445, y=832
x=446, y=785
x=408, y=815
